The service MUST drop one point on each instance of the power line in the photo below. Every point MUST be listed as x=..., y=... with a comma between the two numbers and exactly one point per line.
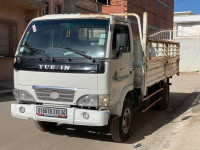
x=179, y=1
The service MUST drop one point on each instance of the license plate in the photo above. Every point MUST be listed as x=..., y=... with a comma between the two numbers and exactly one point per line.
x=51, y=112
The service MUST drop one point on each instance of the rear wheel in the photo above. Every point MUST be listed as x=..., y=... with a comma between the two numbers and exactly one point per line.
x=164, y=102
x=120, y=127
x=45, y=126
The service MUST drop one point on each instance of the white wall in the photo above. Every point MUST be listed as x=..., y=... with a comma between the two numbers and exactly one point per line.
x=188, y=29
x=189, y=55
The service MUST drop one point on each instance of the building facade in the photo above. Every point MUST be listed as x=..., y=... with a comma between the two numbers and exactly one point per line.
x=14, y=17
x=82, y=6
x=186, y=24
x=53, y=7
x=16, y=14
x=160, y=12
x=187, y=32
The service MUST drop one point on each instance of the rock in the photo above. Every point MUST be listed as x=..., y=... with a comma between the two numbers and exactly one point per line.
x=137, y=145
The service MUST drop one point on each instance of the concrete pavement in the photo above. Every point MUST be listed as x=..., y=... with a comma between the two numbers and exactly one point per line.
x=180, y=129
x=173, y=129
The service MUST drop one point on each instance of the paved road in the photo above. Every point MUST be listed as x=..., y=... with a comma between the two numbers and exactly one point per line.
x=153, y=129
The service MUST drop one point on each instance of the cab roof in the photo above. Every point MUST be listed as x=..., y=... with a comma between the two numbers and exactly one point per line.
x=80, y=16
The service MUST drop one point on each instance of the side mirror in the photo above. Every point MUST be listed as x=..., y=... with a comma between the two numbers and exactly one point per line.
x=121, y=42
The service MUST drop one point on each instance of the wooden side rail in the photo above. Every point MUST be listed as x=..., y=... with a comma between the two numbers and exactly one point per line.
x=160, y=48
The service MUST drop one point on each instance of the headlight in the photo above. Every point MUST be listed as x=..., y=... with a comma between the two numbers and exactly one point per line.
x=88, y=101
x=22, y=95
x=93, y=101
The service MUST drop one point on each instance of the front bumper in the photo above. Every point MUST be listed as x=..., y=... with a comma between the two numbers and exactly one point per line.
x=74, y=115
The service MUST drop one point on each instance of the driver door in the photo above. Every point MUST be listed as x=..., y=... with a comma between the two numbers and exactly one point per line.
x=121, y=65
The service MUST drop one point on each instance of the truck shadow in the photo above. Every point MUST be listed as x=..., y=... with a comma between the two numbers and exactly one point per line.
x=149, y=122
x=93, y=133
x=5, y=97
x=144, y=123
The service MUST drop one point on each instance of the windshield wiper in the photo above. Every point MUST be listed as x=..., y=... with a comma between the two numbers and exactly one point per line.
x=39, y=51
x=79, y=52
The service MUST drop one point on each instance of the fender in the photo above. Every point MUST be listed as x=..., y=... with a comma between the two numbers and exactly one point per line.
x=117, y=110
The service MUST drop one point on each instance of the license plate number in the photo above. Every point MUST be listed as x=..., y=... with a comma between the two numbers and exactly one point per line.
x=51, y=112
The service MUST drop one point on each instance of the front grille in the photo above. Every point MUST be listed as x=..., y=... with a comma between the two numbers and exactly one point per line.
x=59, y=95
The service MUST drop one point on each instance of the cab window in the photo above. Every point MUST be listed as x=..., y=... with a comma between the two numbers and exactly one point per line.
x=120, y=29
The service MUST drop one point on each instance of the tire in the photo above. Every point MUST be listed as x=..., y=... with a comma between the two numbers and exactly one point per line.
x=120, y=127
x=164, y=102
x=45, y=126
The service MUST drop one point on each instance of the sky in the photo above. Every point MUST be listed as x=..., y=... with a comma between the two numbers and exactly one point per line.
x=187, y=5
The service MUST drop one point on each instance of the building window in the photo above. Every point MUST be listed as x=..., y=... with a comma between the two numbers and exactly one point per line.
x=57, y=9
x=46, y=10
x=8, y=38
x=104, y=2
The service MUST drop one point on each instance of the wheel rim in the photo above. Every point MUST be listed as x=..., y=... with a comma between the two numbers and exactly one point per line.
x=126, y=120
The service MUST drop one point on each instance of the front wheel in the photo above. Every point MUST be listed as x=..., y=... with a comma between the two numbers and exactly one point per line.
x=120, y=127
x=45, y=126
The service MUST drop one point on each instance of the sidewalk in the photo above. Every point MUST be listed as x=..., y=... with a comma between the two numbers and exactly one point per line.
x=6, y=87
x=186, y=134
x=178, y=128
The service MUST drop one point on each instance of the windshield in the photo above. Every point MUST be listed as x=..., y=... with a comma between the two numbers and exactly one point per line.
x=58, y=38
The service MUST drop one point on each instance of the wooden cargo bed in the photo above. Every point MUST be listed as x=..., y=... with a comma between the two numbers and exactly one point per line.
x=162, y=58
x=160, y=61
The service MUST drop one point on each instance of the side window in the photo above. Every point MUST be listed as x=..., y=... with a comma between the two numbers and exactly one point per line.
x=120, y=29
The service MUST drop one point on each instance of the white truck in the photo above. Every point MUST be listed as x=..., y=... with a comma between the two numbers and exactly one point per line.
x=90, y=70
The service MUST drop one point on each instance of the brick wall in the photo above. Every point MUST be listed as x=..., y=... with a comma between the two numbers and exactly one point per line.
x=116, y=6
x=160, y=12
x=70, y=6
x=53, y=3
